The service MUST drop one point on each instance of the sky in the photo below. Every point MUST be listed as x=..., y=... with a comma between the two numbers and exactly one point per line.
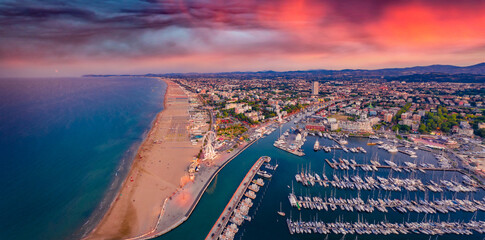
x=76, y=37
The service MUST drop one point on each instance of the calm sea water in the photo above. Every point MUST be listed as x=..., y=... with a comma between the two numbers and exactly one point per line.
x=267, y=224
x=63, y=142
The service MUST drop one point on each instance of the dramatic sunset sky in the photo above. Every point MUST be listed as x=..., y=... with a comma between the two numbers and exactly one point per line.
x=71, y=38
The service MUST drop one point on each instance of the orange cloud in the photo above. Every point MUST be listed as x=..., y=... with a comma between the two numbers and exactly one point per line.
x=218, y=35
x=293, y=15
x=419, y=26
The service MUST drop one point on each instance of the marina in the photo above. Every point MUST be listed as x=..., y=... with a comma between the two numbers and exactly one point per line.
x=348, y=175
x=349, y=179
x=412, y=196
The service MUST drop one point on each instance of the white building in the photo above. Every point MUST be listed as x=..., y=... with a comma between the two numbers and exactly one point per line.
x=356, y=126
x=315, y=88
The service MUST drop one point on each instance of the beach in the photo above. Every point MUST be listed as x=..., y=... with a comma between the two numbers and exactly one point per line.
x=158, y=170
x=180, y=206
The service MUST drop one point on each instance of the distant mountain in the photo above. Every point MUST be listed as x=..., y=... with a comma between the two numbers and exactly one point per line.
x=444, y=73
x=449, y=69
x=439, y=77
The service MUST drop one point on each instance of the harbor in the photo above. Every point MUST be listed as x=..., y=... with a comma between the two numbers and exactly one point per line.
x=408, y=184
x=408, y=187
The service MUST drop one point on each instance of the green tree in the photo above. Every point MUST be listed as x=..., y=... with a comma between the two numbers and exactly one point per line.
x=422, y=128
x=404, y=128
x=395, y=127
x=480, y=132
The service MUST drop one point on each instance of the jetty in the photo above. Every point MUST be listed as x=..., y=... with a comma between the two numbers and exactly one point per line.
x=232, y=212
x=297, y=152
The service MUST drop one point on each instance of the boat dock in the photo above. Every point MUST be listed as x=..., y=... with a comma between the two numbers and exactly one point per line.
x=221, y=230
x=402, y=206
x=336, y=166
x=388, y=184
x=386, y=228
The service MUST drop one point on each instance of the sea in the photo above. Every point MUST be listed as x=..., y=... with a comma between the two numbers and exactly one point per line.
x=66, y=144
x=267, y=224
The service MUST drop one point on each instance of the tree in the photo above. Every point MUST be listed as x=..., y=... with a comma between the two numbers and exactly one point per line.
x=446, y=129
x=395, y=127
x=480, y=132
x=422, y=128
x=404, y=128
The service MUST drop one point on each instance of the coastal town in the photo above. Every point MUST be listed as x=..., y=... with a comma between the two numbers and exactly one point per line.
x=446, y=116
x=228, y=115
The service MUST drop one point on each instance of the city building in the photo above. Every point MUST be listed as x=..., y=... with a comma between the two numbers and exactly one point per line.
x=388, y=117
x=315, y=88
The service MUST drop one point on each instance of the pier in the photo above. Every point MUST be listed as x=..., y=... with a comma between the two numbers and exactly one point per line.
x=296, y=152
x=222, y=222
x=335, y=166
x=292, y=142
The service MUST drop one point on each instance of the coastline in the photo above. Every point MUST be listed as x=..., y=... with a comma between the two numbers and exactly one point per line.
x=139, y=201
x=122, y=171
x=114, y=189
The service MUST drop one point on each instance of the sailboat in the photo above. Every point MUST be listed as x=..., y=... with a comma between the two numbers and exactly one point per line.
x=280, y=212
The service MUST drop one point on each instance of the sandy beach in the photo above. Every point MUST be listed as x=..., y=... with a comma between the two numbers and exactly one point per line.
x=179, y=207
x=158, y=170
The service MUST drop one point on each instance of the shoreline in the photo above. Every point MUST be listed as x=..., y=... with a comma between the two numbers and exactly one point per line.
x=147, y=181
x=122, y=171
x=111, y=194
